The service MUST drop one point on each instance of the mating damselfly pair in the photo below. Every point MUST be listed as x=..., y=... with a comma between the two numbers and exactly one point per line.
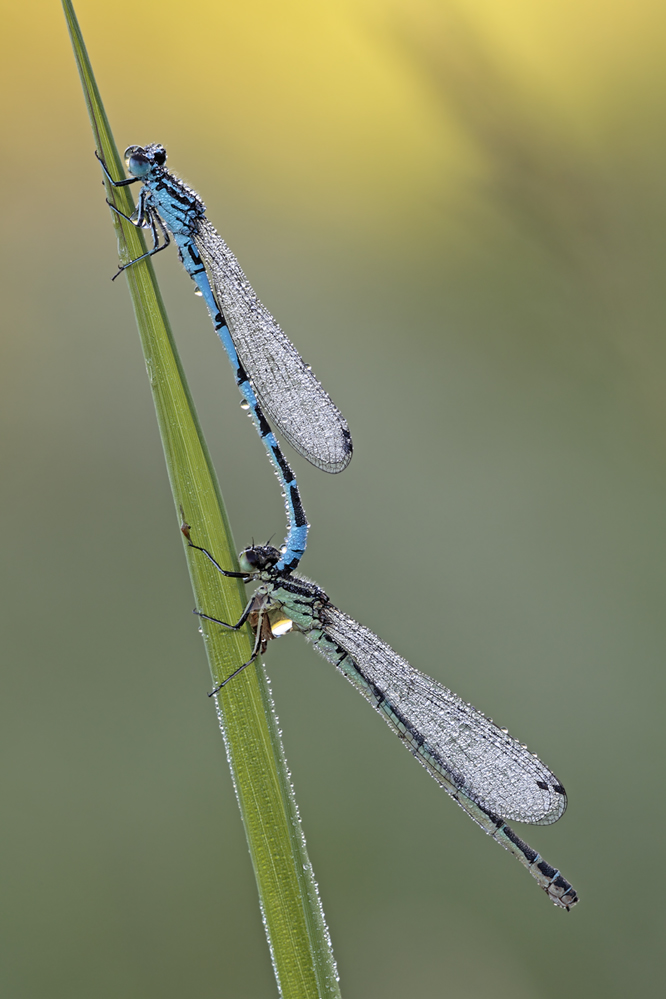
x=491, y=776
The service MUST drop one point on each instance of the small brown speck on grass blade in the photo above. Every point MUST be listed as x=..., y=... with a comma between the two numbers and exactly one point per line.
x=297, y=934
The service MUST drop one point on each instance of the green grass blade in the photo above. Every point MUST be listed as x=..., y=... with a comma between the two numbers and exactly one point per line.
x=298, y=938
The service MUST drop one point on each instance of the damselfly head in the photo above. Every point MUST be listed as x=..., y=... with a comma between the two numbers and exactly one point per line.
x=140, y=159
x=258, y=559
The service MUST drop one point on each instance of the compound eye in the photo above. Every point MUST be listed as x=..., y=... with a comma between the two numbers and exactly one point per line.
x=137, y=162
x=251, y=558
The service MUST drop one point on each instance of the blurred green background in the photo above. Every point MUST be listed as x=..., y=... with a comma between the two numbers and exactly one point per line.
x=457, y=211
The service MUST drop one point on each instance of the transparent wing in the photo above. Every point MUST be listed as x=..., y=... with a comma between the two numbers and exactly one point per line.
x=456, y=743
x=288, y=392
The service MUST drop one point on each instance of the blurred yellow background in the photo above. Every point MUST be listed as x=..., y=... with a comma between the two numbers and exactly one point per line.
x=457, y=212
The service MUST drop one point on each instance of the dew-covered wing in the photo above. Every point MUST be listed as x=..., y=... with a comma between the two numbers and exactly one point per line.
x=288, y=392
x=446, y=734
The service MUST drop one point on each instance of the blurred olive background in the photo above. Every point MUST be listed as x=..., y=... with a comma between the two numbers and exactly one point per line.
x=457, y=211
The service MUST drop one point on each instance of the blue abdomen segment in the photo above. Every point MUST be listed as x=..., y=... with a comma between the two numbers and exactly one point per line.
x=297, y=525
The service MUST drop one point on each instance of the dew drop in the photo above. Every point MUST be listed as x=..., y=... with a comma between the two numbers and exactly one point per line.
x=152, y=377
x=282, y=627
